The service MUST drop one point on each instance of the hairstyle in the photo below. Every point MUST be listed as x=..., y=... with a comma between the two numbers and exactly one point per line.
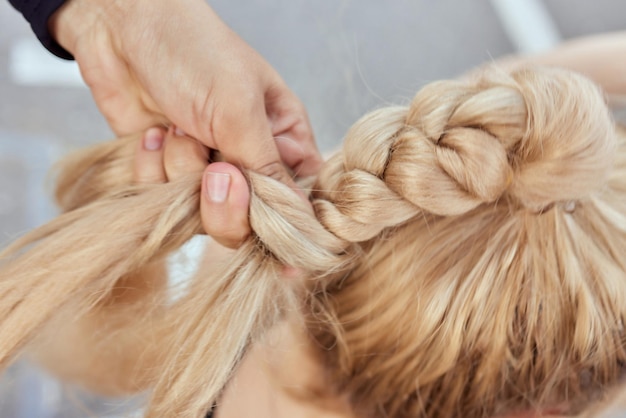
x=465, y=256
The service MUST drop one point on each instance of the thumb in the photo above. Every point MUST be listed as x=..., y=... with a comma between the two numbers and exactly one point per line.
x=224, y=204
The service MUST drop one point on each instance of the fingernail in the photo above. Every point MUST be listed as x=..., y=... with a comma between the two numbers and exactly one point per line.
x=179, y=132
x=153, y=139
x=217, y=186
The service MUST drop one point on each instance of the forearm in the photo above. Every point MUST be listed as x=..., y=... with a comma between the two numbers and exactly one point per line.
x=602, y=58
x=77, y=18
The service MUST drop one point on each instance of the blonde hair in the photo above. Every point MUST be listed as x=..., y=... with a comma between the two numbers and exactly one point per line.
x=465, y=256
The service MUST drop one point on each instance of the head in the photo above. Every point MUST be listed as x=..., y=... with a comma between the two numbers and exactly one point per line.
x=464, y=258
x=491, y=281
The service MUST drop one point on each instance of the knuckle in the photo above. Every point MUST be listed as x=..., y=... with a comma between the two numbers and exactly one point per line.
x=228, y=235
x=229, y=115
x=232, y=241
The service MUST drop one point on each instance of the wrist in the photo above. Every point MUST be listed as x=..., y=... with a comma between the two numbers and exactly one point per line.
x=77, y=19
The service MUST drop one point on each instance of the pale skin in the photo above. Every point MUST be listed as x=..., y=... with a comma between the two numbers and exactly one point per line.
x=115, y=357
x=280, y=365
x=599, y=57
x=284, y=359
x=151, y=62
x=163, y=62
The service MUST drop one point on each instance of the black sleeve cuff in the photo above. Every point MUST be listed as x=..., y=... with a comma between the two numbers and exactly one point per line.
x=37, y=13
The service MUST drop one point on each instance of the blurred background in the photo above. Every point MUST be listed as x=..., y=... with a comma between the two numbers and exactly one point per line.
x=341, y=57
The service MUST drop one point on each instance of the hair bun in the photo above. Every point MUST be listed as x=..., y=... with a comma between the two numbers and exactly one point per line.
x=568, y=147
x=537, y=135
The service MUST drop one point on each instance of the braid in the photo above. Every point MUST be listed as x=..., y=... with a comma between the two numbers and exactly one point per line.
x=482, y=297
x=502, y=142
x=462, y=145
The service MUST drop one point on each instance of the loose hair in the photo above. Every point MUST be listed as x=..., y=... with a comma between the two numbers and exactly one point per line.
x=465, y=256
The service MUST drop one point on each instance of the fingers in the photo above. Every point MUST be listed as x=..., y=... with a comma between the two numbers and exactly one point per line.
x=224, y=204
x=126, y=117
x=183, y=155
x=165, y=156
x=293, y=132
x=148, y=167
x=243, y=136
x=225, y=194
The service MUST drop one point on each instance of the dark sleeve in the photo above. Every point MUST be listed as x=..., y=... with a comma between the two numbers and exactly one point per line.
x=37, y=13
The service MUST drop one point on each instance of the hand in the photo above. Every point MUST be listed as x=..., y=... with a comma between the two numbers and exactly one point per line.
x=163, y=156
x=151, y=62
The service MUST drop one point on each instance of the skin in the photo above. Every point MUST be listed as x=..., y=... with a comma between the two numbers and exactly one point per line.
x=258, y=387
x=162, y=62
x=280, y=372
x=596, y=57
x=151, y=62
x=264, y=385
x=265, y=381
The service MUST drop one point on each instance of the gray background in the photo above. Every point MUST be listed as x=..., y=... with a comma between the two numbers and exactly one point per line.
x=341, y=57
